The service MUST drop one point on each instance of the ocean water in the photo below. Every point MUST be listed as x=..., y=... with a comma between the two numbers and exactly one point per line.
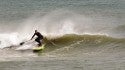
x=79, y=34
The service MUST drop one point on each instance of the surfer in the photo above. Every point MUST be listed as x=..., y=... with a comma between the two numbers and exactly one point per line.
x=39, y=37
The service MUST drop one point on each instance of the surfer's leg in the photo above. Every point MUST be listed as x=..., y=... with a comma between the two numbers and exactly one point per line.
x=38, y=40
x=39, y=43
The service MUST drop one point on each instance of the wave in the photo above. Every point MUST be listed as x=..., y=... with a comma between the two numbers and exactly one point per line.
x=72, y=43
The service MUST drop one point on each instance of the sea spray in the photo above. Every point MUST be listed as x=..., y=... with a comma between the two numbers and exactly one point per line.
x=9, y=39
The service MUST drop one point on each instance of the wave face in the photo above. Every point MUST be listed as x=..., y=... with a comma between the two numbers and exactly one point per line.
x=78, y=44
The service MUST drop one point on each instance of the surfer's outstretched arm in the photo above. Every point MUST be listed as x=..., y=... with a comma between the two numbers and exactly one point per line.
x=33, y=36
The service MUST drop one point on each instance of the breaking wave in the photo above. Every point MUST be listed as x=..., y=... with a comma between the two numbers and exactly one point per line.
x=72, y=43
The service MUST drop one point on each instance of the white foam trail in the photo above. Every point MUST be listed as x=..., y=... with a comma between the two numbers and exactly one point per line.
x=8, y=39
x=27, y=45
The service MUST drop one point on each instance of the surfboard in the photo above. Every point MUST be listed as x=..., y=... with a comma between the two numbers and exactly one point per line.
x=39, y=48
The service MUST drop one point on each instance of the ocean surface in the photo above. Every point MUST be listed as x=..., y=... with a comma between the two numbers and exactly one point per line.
x=79, y=34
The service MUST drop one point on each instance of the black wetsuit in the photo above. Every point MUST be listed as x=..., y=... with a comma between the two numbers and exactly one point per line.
x=39, y=37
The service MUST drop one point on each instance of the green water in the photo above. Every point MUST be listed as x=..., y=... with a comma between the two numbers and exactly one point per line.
x=65, y=63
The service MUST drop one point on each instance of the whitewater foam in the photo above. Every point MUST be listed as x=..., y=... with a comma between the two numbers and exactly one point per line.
x=9, y=39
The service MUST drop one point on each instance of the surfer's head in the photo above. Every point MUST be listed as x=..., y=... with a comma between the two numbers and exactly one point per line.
x=36, y=31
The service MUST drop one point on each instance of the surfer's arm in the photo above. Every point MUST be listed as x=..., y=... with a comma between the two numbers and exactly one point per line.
x=33, y=36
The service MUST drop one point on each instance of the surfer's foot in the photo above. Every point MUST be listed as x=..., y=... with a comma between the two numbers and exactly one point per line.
x=39, y=45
